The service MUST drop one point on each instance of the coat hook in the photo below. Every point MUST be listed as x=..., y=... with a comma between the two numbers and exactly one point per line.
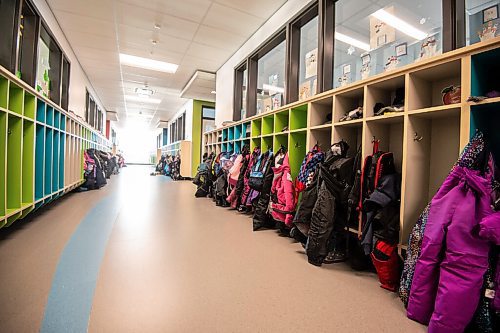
x=417, y=138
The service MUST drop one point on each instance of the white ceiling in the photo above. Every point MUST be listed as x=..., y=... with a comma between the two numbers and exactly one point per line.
x=195, y=34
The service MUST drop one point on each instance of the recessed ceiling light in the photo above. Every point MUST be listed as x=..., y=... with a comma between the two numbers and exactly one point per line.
x=154, y=65
x=157, y=26
x=154, y=42
x=144, y=92
x=142, y=99
x=213, y=92
x=399, y=24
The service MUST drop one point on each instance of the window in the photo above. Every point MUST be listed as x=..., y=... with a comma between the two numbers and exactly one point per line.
x=208, y=118
x=308, y=60
x=94, y=116
x=9, y=16
x=373, y=38
x=482, y=19
x=271, y=78
x=65, y=84
x=27, y=41
x=240, y=93
x=177, y=129
x=48, y=79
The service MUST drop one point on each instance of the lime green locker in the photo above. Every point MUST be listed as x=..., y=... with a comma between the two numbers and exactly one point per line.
x=3, y=155
x=14, y=167
x=28, y=171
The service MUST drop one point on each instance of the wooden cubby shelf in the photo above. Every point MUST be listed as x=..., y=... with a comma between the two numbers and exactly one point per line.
x=426, y=137
x=41, y=146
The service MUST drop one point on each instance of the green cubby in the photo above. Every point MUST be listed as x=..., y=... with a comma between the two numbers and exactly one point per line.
x=280, y=140
x=14, y=167
x=29, y=105
x=55, y=162
x=39, y=161
x=16, y=98
x=297, y=151
x=256, y=128
x=3, y=155
x=4, y=92
x=254, y=142
x=62, y=147
x=11, y=219
x=28, y=160
x=298, y=117
x=49, y=117
x=57, y=119
x=266, y=143
x=268, y=125
x=281, y=121
x=49, y=137
x=40, y=111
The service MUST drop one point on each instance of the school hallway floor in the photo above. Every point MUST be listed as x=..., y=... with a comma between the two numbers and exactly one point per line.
x=143, y=255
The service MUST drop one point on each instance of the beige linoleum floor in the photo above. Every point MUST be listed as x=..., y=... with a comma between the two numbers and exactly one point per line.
x=174, y=263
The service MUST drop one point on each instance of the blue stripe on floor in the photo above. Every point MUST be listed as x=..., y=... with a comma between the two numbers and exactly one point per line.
x=71, y=296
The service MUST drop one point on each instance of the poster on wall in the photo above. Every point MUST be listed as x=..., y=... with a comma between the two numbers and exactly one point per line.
x=267, y=104
x=311, y=63
x=273, y=80
x=276, y=100
x=380, y=32
x=305, y=90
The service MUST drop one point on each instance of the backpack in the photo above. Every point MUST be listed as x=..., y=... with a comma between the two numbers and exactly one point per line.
x=256, y=179
x=309, y=165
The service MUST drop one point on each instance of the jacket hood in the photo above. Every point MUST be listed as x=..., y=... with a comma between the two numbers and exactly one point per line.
x=284, y=167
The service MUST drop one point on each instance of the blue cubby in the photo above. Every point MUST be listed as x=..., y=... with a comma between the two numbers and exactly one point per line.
x=223, y=147
x=49, y=137
x=230, y=134
x=485, y=70
x=49, y=118
x=237, y=132
x=224, y=134
x=485, y=117
x=57, y=119
x=40, y=111
x=63, y=123
x=245, y=129
x=62, y=147
x=55, y=162
x=237, y=147
x=230, y=147
x=39, y=161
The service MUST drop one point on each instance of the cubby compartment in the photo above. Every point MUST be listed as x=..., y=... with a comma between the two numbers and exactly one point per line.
x=16, y=98
x=246, y=129
x=256, y=128
x=348, y=101
x=298, y=117
x=224, y=135
x=39, y=161
x=55, y=162
x=14, y=162
x=254, y=143
x=238, y=132
x=40, y=111
x=230, y=147
x=246, y=143
x=389, y=131
x=4, y=92
x=384, y=92
x=266, y=143
x=57, y=119
x=3, y=155
x=230, y=134
x=62, y=145
x=322, y=137
x=63, y=122
x=352, y=134
x=49, y=116
x=280, y=140
x=29, y=105
x=321, y=112
x=28, y=169
x=237, y=147
x=268, y=125
x=297, y=151
x=426, y=85
x=486, y=117
x=485, y=71
x=281, y=121
x=432, y=147
x=49, y=137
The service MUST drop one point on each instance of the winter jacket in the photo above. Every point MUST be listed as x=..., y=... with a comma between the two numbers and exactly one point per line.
x=489, y=229
x=308, y=167
x=449, y=274
x=261, y=218
x=330, y=210
x=247, y=194
x=283, y=193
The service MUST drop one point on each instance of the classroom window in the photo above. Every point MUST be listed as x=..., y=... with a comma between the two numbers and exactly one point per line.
x=482, y=20
x=271, y=79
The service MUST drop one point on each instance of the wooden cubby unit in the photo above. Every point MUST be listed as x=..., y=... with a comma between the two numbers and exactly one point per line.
x=347, y=101
x=382, y=91
x=321, y=113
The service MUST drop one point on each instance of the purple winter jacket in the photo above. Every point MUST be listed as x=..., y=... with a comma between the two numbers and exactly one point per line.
x=489, y=229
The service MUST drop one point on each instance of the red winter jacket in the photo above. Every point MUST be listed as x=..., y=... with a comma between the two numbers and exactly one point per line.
x=283, y=200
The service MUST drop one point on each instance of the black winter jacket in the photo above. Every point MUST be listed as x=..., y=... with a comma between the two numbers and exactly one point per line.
x=262, y=218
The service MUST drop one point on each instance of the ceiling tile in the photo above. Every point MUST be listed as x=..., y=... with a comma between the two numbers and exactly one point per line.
x=259, y=8
x=219, y=38
x=192, y=10
x=232, y=20
x=102, y=9
x=87, y=24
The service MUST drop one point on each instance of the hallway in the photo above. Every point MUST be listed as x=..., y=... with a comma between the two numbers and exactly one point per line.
x=143, y=255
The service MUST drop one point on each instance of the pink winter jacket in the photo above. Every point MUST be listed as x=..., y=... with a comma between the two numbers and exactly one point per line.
x=283, y=194
x=489, y=228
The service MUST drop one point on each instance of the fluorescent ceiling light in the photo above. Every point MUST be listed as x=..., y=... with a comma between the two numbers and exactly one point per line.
x=142, y=99
x=213, y=92
x=154, y=65
x=352, y=41
x=399, y=24
x=271, y=88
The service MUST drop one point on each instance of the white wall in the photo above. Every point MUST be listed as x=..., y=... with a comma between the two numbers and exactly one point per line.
x=188, y=108
x=225, y=75
x=78, y=78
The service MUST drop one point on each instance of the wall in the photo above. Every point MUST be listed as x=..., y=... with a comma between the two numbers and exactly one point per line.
x=78, y=78
x=225, y=75
x=197, y=135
